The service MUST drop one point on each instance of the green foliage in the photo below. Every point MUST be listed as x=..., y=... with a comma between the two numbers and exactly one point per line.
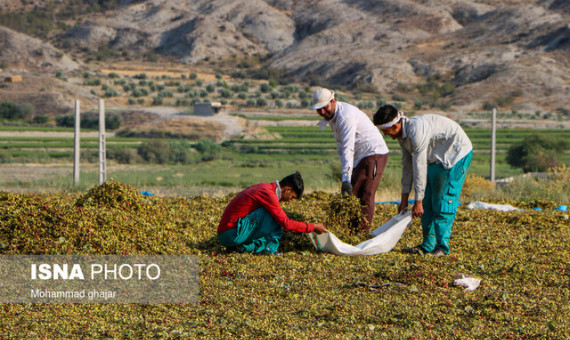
x=11, y=111
x=40, y=119
x=537, y=152
x=92, y=82
x=163, y=152
x=90, y=121
x=209, y=150
x=140, y=92
x=111, y=92
x=265, y=88
x=210, y=88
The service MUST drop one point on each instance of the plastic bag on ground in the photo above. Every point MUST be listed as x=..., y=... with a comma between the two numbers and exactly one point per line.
x=385, y=238
x=470, y=283
x=498, y=207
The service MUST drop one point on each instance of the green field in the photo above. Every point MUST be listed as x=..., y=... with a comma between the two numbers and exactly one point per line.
x=242, y=161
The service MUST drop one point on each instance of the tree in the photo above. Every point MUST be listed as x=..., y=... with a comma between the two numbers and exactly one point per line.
x=536, y=153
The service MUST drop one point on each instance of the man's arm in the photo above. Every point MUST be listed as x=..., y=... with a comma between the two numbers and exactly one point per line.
x=271, y=203
x=347, y=139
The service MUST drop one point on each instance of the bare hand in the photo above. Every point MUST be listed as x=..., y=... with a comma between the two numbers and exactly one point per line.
x=403, y=203
x=320, y=228
x=418, y=209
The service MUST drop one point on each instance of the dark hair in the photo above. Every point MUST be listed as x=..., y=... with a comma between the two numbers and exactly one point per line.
x=295, y=181
x=385, y=114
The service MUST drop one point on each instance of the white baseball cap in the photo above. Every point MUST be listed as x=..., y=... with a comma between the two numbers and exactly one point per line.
x=321, y=98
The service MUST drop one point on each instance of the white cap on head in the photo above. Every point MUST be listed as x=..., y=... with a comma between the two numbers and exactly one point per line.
x=321, y=98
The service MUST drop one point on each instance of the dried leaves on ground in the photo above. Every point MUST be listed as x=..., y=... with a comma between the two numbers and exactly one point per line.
x=521, y=257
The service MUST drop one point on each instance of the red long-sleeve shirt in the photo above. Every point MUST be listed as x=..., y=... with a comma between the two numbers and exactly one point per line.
x=257, y=196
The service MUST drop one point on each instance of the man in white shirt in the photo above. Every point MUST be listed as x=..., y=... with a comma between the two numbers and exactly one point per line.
x=362, y=150
x=436, y=154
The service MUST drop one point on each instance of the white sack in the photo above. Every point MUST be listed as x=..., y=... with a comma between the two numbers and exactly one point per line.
x=384, y=240
x=498, y=207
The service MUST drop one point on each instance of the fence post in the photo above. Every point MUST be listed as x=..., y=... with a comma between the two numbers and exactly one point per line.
x=493, y=141
x=102, y=147
x=76, y=149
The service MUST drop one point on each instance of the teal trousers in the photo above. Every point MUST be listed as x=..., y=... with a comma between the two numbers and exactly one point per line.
x=440, y=203
x=257, y=232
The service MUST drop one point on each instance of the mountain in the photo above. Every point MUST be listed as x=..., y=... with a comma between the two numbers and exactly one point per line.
x=481, y=50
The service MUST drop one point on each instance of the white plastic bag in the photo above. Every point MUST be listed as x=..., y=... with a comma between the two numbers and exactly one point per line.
x=489, y=206
x=385, y=238
x=470, y=283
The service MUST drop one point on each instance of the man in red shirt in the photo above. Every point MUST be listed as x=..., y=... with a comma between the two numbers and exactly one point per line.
x=254, y=220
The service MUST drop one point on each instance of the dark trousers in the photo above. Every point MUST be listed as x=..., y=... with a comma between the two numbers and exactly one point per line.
x=365, y=179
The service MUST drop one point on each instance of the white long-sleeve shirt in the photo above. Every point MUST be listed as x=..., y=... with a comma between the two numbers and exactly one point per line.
x=356, y=137
x=428, y=139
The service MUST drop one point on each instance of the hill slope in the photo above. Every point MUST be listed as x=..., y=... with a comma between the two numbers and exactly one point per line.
x=483, y=50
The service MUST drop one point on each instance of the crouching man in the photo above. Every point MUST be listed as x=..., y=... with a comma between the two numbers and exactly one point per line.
x=254, y=220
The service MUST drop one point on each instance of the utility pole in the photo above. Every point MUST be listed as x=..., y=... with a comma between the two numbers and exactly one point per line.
x=493, y=141
x=76, y=149
x=102, y=148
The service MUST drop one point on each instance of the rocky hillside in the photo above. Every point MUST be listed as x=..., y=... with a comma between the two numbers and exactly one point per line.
x=482, y=50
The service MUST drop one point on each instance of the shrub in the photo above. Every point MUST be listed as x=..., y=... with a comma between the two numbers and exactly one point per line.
x=154, y=151
x=209, y=150
x=536, y=153
x=92, y=82
x=65, y=121
x=166, y=93
x=90, y=121
x=139, y=92
x=111, y=92
x=40, y=119
x=210, y=88
x=265, y=88
x=123, y=155
x=261, y=102
x=9, y=110
x=224, y=93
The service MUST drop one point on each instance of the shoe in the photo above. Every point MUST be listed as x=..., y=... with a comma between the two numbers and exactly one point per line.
x=417, y=250
x=436, y=252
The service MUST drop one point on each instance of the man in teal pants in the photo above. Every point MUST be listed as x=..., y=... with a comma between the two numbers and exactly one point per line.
x=436, y=154
x=254, y=220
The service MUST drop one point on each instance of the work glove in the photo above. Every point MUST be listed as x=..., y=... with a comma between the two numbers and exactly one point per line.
x=346, y=188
